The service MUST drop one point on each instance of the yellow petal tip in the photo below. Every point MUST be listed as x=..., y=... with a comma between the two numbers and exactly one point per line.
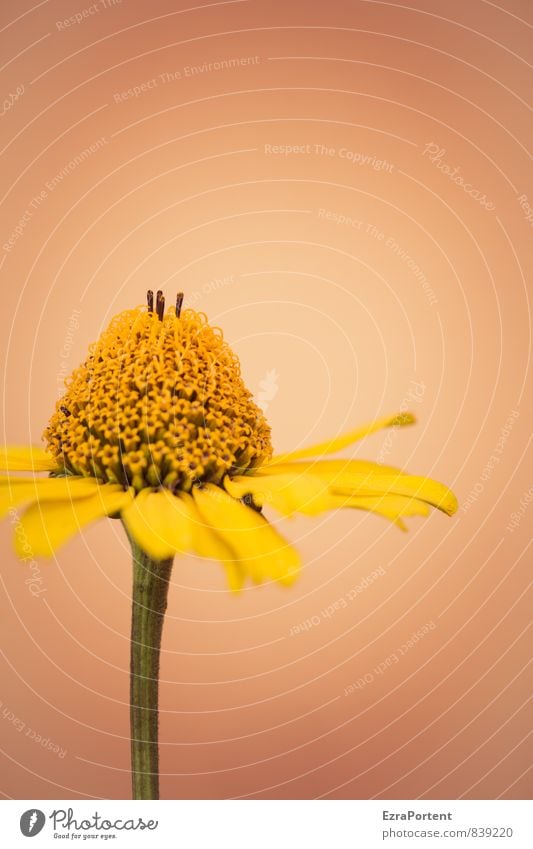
x=450, y=504
x=403, y=419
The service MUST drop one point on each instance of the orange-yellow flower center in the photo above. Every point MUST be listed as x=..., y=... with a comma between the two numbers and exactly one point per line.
x=158, y=402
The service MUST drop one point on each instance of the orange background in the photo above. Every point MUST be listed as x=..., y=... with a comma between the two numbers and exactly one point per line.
x=183, y=192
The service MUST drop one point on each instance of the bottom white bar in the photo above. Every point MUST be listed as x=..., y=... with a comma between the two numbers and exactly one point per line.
x=267, y=824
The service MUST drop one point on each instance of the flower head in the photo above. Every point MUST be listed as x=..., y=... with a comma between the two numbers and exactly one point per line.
x=157, y=427
x=159, y=402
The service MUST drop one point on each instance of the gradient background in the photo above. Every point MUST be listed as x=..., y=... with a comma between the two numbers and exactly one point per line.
x=182, y=194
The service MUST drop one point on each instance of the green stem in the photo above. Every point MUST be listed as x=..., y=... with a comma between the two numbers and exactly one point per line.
x=149, y=602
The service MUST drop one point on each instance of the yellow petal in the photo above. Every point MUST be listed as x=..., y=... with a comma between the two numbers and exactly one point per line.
x=329, y=469
x=258, y=548
x=160, y=523
x=44, y=527
x=362, y=478
x=289, y=492
x=392, y=507
x=423, y=489
x=310, y=494
x=16, y=491
x=208, y=544
x=164, y=524
x=331, y=446
x=311, y=488
x=26, y=458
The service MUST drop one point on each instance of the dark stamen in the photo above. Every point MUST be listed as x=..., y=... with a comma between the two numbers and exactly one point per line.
x=150, y=299
x=160, y=305
x=179, y=303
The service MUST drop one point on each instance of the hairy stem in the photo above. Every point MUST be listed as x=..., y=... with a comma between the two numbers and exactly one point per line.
x=149, y=602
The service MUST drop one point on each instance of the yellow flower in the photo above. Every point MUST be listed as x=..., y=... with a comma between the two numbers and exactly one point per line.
x=157, y=427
